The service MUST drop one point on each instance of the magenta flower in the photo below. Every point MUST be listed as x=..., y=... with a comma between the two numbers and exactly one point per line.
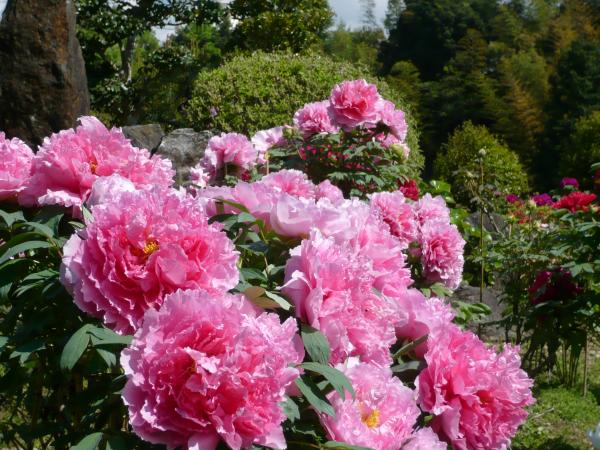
x=569, y=182
x=381, y=416
x=442, y=254
x=354, y=103
x=68, y=163
x=543, y=199
x=313, y=118
x=228, y=149
x=512, y=198
x=397, y=214
x=424, y=439
x=15, y=166
x=141, y=247
x=477, y=396
x=410, y=189
x=209, y=367
x=331, y=288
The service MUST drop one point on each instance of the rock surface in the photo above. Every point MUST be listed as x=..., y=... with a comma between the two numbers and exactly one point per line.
x=184, y=147
x=491, y=298
x=43, y=85
x=145, y=136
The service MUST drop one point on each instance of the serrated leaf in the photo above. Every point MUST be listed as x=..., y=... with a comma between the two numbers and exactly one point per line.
x=90, y=442
x=315, y=343
x=337, y=379
x=314, y=396
x=74, y=348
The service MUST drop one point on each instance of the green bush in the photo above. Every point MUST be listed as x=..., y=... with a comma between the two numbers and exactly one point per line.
x=584, y=149
x=458, y=164
x=262, y=90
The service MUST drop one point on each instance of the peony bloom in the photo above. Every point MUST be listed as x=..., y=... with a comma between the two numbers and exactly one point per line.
x=575, y=201
x=290, y=181
x=477, y=396
x=430, y=210
x=331, y=288
x=354, y=103
x=569, y=182
x=394, y=119
x=141, y=247
x=69, y=162
x=419, y=316
x=381, y=416
x=512, y=198
x=107, y=189
x=442, y=254
x=209, y=367
x=543, y=199
x=424, y=439
x=327, y=190
x=265, y=139
x=313, y=118
x=397, y=214
x=228, y=149
x=556, y=284
x=15, y=166
x=199, y=176
x=410, y=189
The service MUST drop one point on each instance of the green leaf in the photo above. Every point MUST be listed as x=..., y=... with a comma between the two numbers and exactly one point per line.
x=290, y=409
x=279, y=300
x=249, y=273
x=314, y=396
x=116, y=443
x=343, y=445
x=90, y=442
x=39, y=228
x=410, y=346
x=20, y=248
x=87, y=214
x=24, y=351
x=315, y=344
x=336, y=378
x=10, y=218
x=104, y=336
x=109, y=357
x=74, y=348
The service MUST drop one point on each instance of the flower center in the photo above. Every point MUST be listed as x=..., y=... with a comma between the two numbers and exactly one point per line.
x=150, y=247
x=371, y=420
x=93, y=166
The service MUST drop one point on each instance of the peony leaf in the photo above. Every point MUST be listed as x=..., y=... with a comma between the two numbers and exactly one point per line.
x=344, y=446
x=337, y=379
x=314, y=396
x=282, y=302
x=90, y=442
x=23, y=247
x=315, y=344
x=290, y=409
x=75, y=347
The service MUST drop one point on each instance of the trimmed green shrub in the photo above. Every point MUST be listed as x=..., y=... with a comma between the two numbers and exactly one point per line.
x=458, y=164
x=584, y=148
x=262, y=90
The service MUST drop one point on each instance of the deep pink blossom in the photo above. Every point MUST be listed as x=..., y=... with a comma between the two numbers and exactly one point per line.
x=569, y=182
x=15, y=166
x=228, y=149
x=431, y=210
x=354, y=103
x=68, y=163
x=424, y=439
x=542, y=199
x=410, y=189
x=477, y=396
x=381, y=416
x=331, y=287
x=442, y=254
x=141, y=247
x=313, y=118
x=209, y=367
x=512, y=198
x=555, y=284
x=397, y=214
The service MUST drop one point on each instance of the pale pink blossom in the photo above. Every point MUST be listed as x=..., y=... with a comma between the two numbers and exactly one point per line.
x=381, y=416
x=209, y=367
x=330, y=285
x=290, y=181
x=313, y=118
x=442, y=257
x=199, y=176
x=228, y=149
x=327, y=190
x=424, y=439
x=141, y=247
x=395, y=119
x=354, y=103
x=107, y=189
x=68, y=163
x=477, y=396
x=397, y=214
x=265, y=139
x=430, y=210
x=15, y=166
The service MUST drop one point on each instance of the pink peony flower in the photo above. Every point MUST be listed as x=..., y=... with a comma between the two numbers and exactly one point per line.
x=354, y=103
x=569, y=182
x=543, y=199
x=68, y=163
x=141, y=247
x=575, y=201
x=395, y=119
x=430, y=210
x=327, y=190
x=107, y=189
x=381, y=416
x=290, y=181
x=331, y=287
x=228, y=149
x=442, y=254
x=419, y=316
x=397, y=214
x=512, y=198
x=314, y=118
x=265, y=139
x=424, y=439
x=292, y=216
x=207, y=367
x=199, y=176
x=15, y=166
x=476, y=395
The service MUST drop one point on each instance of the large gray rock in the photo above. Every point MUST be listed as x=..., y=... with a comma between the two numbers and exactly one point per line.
x=492, y=223
x=491, y=297
x=144, y=136
x=184, y=147
x=43, y=85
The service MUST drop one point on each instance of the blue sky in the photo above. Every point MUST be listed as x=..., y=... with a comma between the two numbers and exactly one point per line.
x=347, y=11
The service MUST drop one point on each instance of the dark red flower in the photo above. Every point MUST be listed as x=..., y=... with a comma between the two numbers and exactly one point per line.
x=554, y=284
x=575, y=201
x=410, y=189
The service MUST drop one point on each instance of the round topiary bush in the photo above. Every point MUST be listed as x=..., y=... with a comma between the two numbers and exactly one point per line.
x=262, y=90
x=458, y=164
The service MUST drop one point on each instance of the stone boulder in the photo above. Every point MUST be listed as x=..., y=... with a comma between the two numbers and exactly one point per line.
x=184, y=147
x=491, y=297
x=43, y=85
x=145, y=136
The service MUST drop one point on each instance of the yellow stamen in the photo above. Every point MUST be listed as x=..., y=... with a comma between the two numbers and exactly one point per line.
x=150, y=247
x=93, y=167
x=371, y=420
